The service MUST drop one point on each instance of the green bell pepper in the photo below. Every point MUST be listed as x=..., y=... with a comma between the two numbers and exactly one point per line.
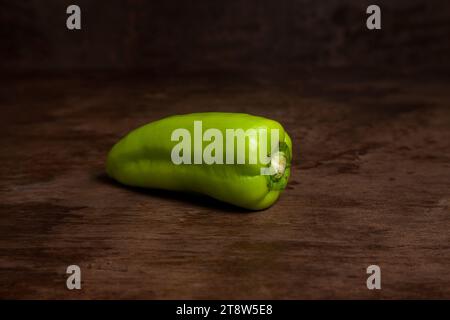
x=152, y=156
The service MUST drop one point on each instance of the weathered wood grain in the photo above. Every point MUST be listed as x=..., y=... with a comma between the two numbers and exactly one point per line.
x=370, y=185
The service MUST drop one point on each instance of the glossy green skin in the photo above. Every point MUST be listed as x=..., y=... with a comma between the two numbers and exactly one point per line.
x=143, y=158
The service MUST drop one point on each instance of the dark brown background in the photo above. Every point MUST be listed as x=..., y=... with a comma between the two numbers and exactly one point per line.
x=222, y=35
x=368, y=112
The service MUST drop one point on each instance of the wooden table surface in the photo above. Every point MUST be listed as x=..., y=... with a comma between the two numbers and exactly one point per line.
x=370, y=185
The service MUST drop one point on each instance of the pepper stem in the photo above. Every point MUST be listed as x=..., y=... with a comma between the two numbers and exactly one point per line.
x=278, y=164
